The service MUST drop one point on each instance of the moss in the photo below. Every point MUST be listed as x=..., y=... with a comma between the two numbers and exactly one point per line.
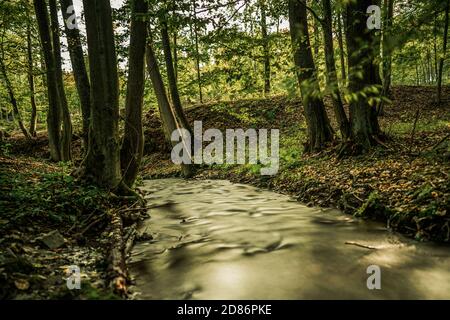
x=373, y=208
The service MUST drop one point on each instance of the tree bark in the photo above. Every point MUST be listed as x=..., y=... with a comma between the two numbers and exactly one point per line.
x=54, y=112
x=33, y=117
x=332, y=81
x=362, y=74
x=12, y=99
x=266, y=50
x=133, y=140
x=178, y=108
x=175, y=41
x=319, y=129
x=66, y=136
x=197, y=52
x=102, y=163
x=167, y=114
x=387, y=51
x=435, y=51
x=444, y=51
x=79, y=70
x=341, y=48
x=388, y=7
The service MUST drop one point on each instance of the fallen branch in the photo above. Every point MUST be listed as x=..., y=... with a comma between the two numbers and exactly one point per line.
x=360, y=245
x=116, y=270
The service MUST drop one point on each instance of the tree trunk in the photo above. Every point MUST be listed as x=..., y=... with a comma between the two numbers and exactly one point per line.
x=178, y=108
x=387, y=51
x=66, y=136
x=33, y=117
x=341, y=48
x=175, y=41
x=12, y=99
x=266, y=51
x=197, y=52
x=435, y=51
x=332, y=81
x=133, y=140
x=316, y=39
x=54, y=112
x=362, y=74
x=319, y=129
x=102, y=163
x=168, y=118
x=444, y=52
x=388, y=7
x=79, y=69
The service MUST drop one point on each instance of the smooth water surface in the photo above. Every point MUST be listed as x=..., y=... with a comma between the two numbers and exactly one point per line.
x=219, y=240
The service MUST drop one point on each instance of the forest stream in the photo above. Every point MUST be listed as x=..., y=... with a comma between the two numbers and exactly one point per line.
x=218, y=240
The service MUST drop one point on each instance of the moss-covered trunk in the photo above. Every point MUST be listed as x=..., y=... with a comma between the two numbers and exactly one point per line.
x=332, y=81
x=54, y=112
x=102, y=163
x=66, y=134
x=319, y=129
x=79, y=69
x=363, y=78
x=133, y=140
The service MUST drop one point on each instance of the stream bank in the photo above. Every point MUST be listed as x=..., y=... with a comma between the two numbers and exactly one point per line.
x=404, y=183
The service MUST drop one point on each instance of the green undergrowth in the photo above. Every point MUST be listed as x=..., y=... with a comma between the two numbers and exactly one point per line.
x=52, y=198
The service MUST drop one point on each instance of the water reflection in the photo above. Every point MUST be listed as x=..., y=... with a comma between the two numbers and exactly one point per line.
x=218, y=240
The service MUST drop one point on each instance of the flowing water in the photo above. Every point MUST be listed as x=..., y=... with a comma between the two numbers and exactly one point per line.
x=219, y=240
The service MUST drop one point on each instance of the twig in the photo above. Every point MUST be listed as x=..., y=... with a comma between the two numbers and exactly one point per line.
x=360, y=245
x=442, y=140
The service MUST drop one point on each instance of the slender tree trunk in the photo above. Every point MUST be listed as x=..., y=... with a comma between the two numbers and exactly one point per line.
x=178, y=108
x=54, y=112
x=197, y=52
x=33, y=117
x=376, y=44
x=387, y=51
x=388, y=7
x=319, y=129
x=363, y=116
x=102, y=163
x=133, y=140
x=417, y=74
x=316, y=39
x=79, y=69
x=444, y=51
x=165, y=110
x=66, y=136
x=167, y=114
x=175, y=41
x=341, y=48
x=435, y=50
x=266, y=50
x=12, y=99
x=332, y=81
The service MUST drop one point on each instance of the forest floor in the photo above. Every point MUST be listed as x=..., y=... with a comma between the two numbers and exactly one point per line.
x=50, y=220
x=404, y=182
